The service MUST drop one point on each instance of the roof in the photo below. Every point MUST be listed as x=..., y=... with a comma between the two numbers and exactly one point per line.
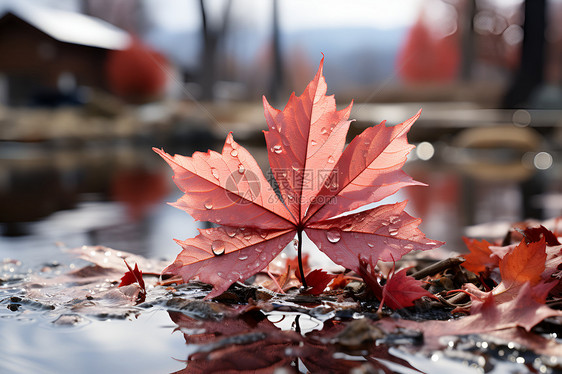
x=70, y=27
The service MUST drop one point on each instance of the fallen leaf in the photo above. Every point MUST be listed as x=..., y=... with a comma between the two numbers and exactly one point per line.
x=92, y=289
x=480, y=257
x=487, y=316
x=524, y=263
x=317, y=281
x=371, y=277
x=318, y=181
x=134, y=276
x=400, y=290
x=339, y=282
x=534, y=234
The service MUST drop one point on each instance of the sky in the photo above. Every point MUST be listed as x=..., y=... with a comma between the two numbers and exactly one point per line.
x=179, y=15
x=370, y=30
x=293, y=14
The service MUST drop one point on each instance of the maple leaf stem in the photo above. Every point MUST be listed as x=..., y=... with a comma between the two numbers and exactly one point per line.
x=299, y=256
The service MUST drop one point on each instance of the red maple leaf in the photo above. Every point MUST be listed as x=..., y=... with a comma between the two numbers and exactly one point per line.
x=534, y=234
x=524, y=263
x=134, y=276
x=528, y=262
x=480, y=257
x=401, y=290
x=486, y=315
x=318, y=181
x=317, y=281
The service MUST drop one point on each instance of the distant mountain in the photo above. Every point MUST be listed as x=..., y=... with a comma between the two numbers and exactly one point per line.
x=354, y=56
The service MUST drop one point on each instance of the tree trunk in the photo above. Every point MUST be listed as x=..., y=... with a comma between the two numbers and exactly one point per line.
x=530, y=73
x=277, y=78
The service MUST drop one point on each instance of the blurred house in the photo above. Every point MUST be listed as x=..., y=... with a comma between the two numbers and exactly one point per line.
x=47, y=54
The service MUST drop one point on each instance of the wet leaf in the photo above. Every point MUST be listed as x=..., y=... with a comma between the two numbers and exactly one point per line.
x=317, y=281
x=134, y=276
x=318, y=180
x=401, y=290
x=92, y=289
x=487, y=316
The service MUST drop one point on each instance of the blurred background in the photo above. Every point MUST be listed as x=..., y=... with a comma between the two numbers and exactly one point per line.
x=88, y=87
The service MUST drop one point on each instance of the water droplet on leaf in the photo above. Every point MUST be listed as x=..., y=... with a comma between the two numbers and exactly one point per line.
x=215, y=173
x=409, y=247
x=242, y=258
x=331, y=160
x=218, y=247
x=208, y=205
x=241, y=169
x=230, y=231
x=323, y=131
x=234, y=153
x=394, y=219
x=277, y=149
x=333, y=235
x=313, y=142
x=393, y=232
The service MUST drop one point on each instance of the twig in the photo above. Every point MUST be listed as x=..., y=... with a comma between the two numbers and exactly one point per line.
x=438, y=267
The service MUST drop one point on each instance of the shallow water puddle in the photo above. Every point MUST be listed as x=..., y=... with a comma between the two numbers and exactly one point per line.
x=32, y=343
x=69, y=316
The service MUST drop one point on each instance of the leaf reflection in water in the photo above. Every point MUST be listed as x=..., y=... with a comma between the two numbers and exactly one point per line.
x=253, y=343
